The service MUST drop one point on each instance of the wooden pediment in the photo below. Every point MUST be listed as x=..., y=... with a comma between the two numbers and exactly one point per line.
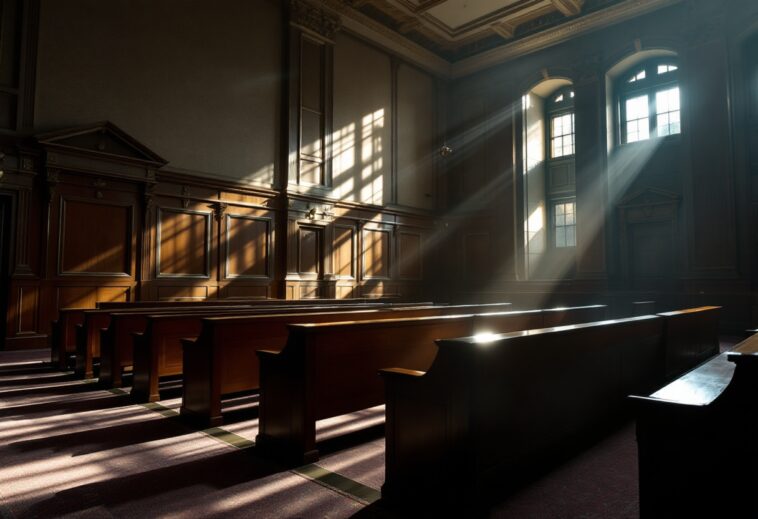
x=103, y=140
x=649, y=196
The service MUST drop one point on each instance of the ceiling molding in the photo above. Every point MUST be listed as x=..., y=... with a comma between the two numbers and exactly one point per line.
x=571, y=29
x=413, y=17
x=569, y=7
x=361, y=25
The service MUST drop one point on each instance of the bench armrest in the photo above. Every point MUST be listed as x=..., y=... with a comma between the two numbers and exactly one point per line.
x=401, y=372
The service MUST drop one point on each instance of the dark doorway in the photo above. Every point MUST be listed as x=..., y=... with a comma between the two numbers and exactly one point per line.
x=6, y=228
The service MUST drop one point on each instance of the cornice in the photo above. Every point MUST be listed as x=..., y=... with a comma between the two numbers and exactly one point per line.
x=361, y=25
x=357, y=23
x=561, y=33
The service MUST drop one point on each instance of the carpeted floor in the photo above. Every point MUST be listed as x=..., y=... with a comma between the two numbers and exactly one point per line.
x=69, y=449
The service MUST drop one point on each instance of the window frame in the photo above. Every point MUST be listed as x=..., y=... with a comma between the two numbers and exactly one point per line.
x=559, y=195
x=651, y=85
x=555, y=109
x=554, y=202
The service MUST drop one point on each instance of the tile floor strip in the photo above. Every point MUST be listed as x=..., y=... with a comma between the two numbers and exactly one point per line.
x=235, y=440
x=216, y=433
x=339, y=483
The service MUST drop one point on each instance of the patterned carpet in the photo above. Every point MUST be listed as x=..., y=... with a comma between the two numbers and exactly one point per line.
x=69, y=449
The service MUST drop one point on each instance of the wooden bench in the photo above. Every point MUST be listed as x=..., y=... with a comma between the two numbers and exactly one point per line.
x=117, y=342
x=330, y=369
x=89, y=332
x=63, y=329
x=489, y=409
x=696, y=440
x=222, y=360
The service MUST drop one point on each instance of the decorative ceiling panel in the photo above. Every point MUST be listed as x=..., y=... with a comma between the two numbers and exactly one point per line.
x=463, y=30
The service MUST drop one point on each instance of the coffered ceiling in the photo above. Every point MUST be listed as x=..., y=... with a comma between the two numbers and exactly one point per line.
x=462, y=32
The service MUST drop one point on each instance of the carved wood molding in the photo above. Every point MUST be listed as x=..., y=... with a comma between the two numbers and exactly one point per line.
x=219, y=211
x=313, y=18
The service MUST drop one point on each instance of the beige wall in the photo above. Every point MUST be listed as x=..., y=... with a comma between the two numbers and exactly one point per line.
x=196, y=81
x=362, y=141
x=417, y=137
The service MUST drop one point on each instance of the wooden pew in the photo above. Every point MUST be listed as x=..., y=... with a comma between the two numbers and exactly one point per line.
x=88, y=332
x=330, y=369
x=63, y=336
x=696, y=440
x=222, y=360
x=117, y=341
x=63, y=329
x=489, y=408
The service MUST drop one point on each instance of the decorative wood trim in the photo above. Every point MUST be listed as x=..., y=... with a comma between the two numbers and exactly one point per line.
x=314, y=20
x=227, y=250
x=158, y=273
x=353, y=252
x=373, y=227
x=549, y=37
x=61, y=241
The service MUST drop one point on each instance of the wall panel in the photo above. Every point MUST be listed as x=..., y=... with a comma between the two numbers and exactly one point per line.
x=27, y=304
x=182, y=292
x=95, y=238
x=375, y=253
x=183, y=243
x=416, y=138
x=410, y=255
x=310, y=243
x=362, y=147
x=247, y=247
x=89, y=296
x=344, y=251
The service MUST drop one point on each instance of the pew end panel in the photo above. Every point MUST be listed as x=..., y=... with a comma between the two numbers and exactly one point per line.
x=197, y=390
x=145, y=386
x=434, y=426
x=63, y=336
x=330, y=369
x=287, y=429
x=108, y=377
x=696, y=452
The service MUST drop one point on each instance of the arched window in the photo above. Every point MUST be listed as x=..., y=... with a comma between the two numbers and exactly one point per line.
x=649, y=101
x=561, y=180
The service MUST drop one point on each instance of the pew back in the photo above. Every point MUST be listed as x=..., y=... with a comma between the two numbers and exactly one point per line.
x=222, y=360
x=488, y=408
x=116, y=342
x=157, y=344
x=329, y=369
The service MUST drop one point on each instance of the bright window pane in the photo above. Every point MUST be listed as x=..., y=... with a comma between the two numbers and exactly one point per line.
x=662, y=69
x=638, y=76
x=636, y=108
x=667, y=108
x=571, y=236
x=562, y=135
x=564, y=224
x=560, y=237
x=637, y=120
